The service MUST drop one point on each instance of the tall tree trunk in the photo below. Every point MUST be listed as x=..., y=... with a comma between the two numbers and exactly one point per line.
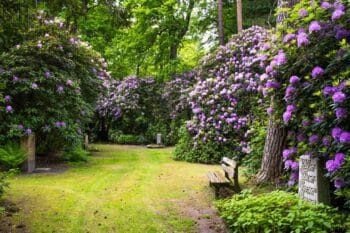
x=221, y=23
x=239, y=16
x=276, y=136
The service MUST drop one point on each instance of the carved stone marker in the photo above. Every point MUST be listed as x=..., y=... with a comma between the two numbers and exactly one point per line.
x=313, y=185
x=28, y=145
x=86, y=142
x=159, y=139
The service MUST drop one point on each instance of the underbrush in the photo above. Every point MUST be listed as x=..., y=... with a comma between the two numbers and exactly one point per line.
x=279, y=211
x=76, y=155
x=11, y=156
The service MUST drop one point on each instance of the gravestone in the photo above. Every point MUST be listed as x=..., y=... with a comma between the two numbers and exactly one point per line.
x=159, y=139
x=28, y=145
x=313, y=185
x=86, y=142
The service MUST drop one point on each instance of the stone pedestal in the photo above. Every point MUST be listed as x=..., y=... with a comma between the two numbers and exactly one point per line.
x=159, y=139
x=313, y=185
x=28, y=145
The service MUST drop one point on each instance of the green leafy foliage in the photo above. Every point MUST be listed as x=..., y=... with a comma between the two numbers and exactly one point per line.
x=76, y=155
x=120, y=138
x=256, y=143
x=54, y=94
x=202, y=152
x=3, y=184
x=11, y=156
x=279, y=211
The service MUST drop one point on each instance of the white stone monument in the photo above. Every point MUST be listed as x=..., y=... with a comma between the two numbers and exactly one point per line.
x=28, y=145
x=159, y=139
x=313, y=185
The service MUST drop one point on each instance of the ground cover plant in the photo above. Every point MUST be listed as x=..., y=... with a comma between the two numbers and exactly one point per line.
x=279, y=211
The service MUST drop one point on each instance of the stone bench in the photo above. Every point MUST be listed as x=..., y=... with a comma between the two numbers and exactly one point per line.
x=225, y=183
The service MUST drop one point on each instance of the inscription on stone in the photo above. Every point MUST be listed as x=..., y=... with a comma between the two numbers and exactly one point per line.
x=313, y=186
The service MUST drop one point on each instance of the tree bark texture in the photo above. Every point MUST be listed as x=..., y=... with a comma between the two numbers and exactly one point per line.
x=276, y=135
x=239, y=16
x=271, y=165
x=221, y=23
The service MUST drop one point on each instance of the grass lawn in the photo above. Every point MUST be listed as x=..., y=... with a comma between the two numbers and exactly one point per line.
x=122, y=189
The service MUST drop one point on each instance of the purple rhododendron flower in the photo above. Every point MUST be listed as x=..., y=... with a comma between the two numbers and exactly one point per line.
x=270, y=110
x=339, y=158
x=29, y=131
x=7, y=98
x=314, y=27
x=326, y=5
x=339, y=183
x=294, y=79
x=288, y=38
x=302, y=39
x=300, y=138
x=341, y=33
x=338, y=97
x=305, y=123
x=47, y=74
x=326, y=141
x=9, y=108
x=288, y=164
x=336, y=132
x=289, y=152
x=291, y=108
x=60, y=89
x=317, y=71
x=280, y=58
x=329, y=90
x=340, y=113
x=34, y=86
x=313, y=139
x=20, y=126
x=303, y=13
x=344, y=137
x=287, y=116
x=333, y=165
x=294, y=166
x=69, y=82
x=337, y=14
x=15, y=79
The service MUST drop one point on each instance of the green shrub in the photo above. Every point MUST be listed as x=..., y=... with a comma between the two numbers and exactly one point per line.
x=3, y=184
x=203, y=152
x=278, y=211
x=120, y=138
x=11, y=156
x=76, y=155
x=252, y=161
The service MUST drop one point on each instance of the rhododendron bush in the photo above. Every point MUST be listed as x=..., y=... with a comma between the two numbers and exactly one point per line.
x=52, y=82
x=226, y=100
x=135, y=106
x=311, y=87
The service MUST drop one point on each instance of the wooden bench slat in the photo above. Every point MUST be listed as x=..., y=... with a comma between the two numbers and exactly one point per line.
x=217, y=178
x=229, y=162
x=230, y=171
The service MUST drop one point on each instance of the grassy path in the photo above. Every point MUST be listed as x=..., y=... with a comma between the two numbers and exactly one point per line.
x=122, y=189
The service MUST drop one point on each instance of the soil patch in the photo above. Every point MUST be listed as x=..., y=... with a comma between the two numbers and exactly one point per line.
x=206, y=218
x=6, y=224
